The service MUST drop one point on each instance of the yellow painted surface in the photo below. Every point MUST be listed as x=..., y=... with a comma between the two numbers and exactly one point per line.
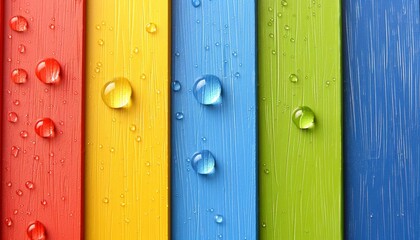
x=127, y=149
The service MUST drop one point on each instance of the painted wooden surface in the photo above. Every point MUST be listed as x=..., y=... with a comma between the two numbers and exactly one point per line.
x=382, y=151
x=300, y=170
x=41, y=178
x=217, y=38
x=127, y=149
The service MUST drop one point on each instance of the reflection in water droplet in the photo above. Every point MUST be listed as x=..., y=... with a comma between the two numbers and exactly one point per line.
x=293, y=78
x=303, y=117
x=29, y=185
x=45, y=128
x=208, y=90
x=176, y=86
x=196, y=3
x=218, y=218
x=48, y=71
x=117, y=93
x=12, y=117
x=36, y=231
x=18, y=24
x=19, y=76
x=203, y=162
x=151, y=28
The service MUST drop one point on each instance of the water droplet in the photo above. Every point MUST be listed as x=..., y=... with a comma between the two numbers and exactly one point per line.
x=136, y=50
x=138, y=138
x=266, y=171
x=293, y=78
x=237, y=74
x=8, y=222
x=45, y=128
x=16, y=102
x=286, y=27
x=303, y=117
x=151, y=28
x=14, y=151
x=19, y=76
x=101, y=42
x=284, y=3
x=23, y=134
x=18, y=24
x=133, y=128
x=12, y=117
x=117, y=93
x=44, y=202
x=19, y=192
x=196, y=3
x=36, y=231
x=208, y=90
x=29, y=185
x=21, y=48
x=263, y=224
x=48, y=71
x=179, y=116
x=9, y=184
x=203, y=162
x=112, y=150
x=105, y=200
x=176, y=86
x=218, y=218
x=52, y=26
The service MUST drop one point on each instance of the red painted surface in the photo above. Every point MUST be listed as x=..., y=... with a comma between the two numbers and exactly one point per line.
x=41, y=177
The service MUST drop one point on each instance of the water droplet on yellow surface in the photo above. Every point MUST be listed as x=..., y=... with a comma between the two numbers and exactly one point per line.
x=117, y=93
x=151, y=28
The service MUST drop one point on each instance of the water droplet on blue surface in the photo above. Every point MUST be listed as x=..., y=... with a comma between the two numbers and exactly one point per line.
x=176, y=86
x=203, y=162
x=179, y=116
x=208, y=90
x=218, y=218
x=196, y=3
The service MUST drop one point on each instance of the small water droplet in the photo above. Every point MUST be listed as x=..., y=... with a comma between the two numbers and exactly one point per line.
x=151, y=28
x=138, y=138
x=284, y=3
x=29, y=185
x=203, y=162
x=45, y=128
x=133, y=127
x=16, y=102
x=12, y=117
x=293, y=78
x=196, y=3
x=21, y=48
x=44, y=202
x=176, y=86
x=14, y=151
x=36, y=231
x=112, y=150
x=9, y=184
x=18, y=24
x=136, y=50
x=48, y=71
x=19, y=76
x=19, y=192
x=52, y=26
x=105, y=200
x=179, y=116
x=117, y=93
x=36, y=158
x=266, y=171
x=101, y=42
x=8, y=222
x=286, y=27
x=23, y=134
x=218, y=218
x=303, y=117
x=237, y=74
x=208, y=90
x=263, y=224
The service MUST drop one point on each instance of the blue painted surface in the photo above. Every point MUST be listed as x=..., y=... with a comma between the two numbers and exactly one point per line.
x=217, y=37
x=382, y=119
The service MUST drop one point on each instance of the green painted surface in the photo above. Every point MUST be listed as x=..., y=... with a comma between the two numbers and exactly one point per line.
x=300, y=170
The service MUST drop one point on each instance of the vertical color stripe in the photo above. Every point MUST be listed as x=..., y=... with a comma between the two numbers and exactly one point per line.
x=300, y=170
x=127, y=148
x=216, y=38
x=382, y=102
x=41, y=178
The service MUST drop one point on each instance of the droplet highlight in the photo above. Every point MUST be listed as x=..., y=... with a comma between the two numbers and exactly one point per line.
x=18, y=24
x=48, y=71
x=45, y=128
x=208, y=90
x=303, y=117
x=19, y=76
x=117, y=93
x=204, y=162
x=36, y=231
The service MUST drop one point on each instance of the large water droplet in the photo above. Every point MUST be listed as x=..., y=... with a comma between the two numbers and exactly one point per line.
x=196, y=3
x=45, y=128
x=48, y=71
x=36, y=231
x=303, y=117
x=203, y=162
x=19, y=76
x=293, y=78
x=208, y=90
x=151, y=28
x=18, y=24
x=12, y=117
x=117, y=93
x=218, y=218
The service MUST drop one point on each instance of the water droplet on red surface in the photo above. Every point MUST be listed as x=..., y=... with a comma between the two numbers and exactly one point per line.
x=8, y=222
x=44, y=202
x=45, y=128
x=36, y=231
x=15, y=151
x=16, y=102
x=18, y=24
x=19, y=192
x=29, y=185
x=24, y=134
x=12, y=117
x=21, y=48
x=19, y=76
x=48, y=71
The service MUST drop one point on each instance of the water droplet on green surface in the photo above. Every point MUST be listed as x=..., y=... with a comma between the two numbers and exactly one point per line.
x=303, y=117
x=293, y=78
